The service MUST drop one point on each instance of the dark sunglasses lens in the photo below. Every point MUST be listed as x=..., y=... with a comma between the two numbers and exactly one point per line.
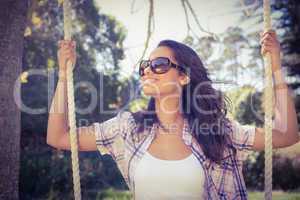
x=160, y=65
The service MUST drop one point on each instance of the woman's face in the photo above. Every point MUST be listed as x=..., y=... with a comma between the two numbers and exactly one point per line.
x=162, y=84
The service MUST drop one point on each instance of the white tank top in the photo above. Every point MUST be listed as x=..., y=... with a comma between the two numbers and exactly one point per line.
x=157, y=179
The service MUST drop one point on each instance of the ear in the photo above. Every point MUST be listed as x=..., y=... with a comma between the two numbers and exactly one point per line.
x=185, y=79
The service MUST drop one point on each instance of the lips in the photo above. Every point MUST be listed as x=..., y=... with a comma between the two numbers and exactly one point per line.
x=149, y=81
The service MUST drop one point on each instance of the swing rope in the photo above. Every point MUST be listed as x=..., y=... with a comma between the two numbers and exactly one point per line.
x=71, y=105
x=268, y=102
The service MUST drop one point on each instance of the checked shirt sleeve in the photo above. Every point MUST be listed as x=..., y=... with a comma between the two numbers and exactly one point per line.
x=242, y=137
x=111, y=134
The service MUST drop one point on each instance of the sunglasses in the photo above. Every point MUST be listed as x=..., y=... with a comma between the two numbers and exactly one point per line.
x=159, y=65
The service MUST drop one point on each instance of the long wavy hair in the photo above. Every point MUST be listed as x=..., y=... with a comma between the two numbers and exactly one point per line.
x=206, y=114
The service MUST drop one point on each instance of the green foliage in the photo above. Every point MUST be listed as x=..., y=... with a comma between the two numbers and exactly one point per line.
x=226, y=57
x=139, y=104
x=45, y=172
x=113, y=194
x=237, y=96
x=253, y=171
x=247, y=110
x=222, y=58
x=277, y=195
x=285, y=172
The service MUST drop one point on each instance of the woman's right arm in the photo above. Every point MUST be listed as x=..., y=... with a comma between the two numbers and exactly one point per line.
x=58, y=126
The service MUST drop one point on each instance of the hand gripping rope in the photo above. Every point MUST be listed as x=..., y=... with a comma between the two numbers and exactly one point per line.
x=71, y=105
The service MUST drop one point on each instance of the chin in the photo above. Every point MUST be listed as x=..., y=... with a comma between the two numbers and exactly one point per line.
x=150, y=92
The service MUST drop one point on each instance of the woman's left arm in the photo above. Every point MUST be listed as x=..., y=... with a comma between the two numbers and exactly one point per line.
x=285, y=125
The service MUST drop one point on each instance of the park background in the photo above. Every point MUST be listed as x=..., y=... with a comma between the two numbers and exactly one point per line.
x=111, y=37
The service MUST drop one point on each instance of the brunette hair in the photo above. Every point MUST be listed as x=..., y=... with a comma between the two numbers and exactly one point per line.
x=208, y=109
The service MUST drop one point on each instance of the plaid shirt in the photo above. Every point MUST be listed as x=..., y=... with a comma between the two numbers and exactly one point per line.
x=222, y=181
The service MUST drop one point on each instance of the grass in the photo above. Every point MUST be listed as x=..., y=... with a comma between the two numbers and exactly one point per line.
x=277, y=195
x=112, y=194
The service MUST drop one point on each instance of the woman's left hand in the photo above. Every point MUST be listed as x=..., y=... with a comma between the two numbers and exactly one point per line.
x=269, y=43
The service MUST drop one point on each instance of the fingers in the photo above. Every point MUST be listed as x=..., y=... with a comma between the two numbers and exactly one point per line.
x=268, y=37
x=271, y=32
x=66, y=44
x=269, y=43
x=266, y=48
x=66, y=51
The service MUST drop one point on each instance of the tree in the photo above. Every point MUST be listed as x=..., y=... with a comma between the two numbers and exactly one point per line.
x=286, y=20
x=46, y=172
x=233, y=59
x=289, y=24
x=12, y=23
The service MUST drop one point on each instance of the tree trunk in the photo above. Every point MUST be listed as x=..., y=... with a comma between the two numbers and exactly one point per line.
x=12, y=25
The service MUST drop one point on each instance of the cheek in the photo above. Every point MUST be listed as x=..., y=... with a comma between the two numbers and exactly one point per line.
x=169, y=79
x=170, y=84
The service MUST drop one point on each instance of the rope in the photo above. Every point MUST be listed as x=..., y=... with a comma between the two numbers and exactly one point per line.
x=71, y=105
x=268, y=102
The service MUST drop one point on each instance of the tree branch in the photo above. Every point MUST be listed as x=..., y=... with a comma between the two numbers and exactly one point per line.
x=149, y=28
x=246, y=9
x=188, y=4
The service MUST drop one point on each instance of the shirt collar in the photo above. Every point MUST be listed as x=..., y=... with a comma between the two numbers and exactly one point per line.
x=186, y=133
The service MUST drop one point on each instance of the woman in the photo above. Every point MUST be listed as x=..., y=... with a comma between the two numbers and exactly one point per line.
x=182, y=146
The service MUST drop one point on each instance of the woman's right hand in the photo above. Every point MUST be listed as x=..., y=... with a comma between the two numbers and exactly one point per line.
x=66, y=51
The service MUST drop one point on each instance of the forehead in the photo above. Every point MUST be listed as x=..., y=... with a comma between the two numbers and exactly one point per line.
x=162, y=52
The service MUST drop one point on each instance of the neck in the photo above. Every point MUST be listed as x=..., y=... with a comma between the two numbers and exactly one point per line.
x=168, y=112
